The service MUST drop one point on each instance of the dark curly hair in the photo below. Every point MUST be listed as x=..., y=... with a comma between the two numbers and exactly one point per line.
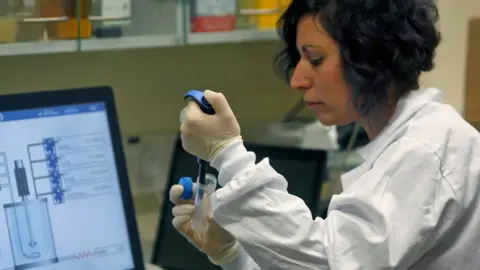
x=383, y=43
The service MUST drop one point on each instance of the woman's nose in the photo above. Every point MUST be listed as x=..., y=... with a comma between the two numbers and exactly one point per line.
x=300, y=79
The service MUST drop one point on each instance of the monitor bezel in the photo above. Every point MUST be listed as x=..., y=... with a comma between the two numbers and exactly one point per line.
x=78, y=96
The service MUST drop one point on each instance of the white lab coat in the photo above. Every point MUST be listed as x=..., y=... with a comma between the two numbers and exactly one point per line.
x=413, y=203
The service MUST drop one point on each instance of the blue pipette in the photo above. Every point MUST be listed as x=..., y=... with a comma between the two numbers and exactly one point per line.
x=206, y=182
x=197, y=96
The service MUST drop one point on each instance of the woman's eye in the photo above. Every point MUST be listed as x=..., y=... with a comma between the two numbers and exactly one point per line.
x=316, y=61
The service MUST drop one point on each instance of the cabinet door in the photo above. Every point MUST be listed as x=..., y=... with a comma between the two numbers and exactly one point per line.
x=472, y=93
x=36, y=27
x=124, y=24
x=219, y=21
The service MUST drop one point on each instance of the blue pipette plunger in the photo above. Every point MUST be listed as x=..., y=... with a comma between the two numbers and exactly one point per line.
x=206, y=183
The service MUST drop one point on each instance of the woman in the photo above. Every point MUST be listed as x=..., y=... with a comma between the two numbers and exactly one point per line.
x=413, y=203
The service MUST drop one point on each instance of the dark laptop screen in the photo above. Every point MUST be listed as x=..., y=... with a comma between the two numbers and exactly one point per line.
x=304, y=170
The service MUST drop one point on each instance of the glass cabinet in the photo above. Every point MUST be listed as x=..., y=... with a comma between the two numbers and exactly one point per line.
x=52, y=26
x=33, y=26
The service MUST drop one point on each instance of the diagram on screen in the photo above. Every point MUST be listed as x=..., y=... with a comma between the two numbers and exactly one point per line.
x=59, y=171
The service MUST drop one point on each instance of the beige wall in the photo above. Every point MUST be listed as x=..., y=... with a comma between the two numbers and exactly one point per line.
x=449, y=74
x=149, y=84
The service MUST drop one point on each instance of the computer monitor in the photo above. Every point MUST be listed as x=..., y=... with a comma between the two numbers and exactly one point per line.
x=65, y=201
x=304, y=170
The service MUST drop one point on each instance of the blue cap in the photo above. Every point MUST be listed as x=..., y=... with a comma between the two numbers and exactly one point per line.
x=187, y=184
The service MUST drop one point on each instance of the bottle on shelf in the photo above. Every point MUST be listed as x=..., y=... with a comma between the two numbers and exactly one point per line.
x=78, y=24
x=246, y=20
x=271, y=10
x=53, y=9
x=261, y=14
x=29, y=31
x=110, y=16
x=8, y=21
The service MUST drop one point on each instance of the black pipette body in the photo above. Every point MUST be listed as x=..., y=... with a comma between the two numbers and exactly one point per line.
x=202, y=171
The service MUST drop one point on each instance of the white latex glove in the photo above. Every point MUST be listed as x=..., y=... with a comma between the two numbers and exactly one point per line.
x=218, y=244
x=205, y=135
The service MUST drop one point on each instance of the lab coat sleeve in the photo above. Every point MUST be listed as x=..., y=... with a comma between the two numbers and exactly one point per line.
x=388, y=219
x=275, y=228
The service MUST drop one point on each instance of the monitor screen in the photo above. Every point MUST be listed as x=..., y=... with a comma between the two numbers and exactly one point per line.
x=304, y=170
x=61, y=203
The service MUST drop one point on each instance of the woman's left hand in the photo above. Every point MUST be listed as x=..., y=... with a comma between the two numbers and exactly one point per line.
x=205, y=135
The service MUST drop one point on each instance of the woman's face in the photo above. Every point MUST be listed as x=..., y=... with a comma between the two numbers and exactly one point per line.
x=319, y=75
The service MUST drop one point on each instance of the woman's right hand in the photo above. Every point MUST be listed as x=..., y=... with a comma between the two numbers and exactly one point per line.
x=219, y=245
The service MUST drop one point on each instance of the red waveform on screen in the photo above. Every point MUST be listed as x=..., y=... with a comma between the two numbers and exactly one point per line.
x=83, y=255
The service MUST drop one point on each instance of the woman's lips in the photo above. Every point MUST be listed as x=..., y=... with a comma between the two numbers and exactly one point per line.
x=314, y=104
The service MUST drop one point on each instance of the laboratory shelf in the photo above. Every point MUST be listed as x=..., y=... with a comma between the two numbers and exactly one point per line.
x=42, y=47
x=243, y=35
x=130, y=42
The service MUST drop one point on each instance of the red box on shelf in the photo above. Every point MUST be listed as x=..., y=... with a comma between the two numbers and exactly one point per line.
x=213, y=16
x=213, y=23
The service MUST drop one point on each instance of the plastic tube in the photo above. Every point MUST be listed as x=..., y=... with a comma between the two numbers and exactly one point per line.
x=202, y=203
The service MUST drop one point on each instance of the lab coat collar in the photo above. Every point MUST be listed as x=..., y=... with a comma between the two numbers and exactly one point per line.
x=406, y=108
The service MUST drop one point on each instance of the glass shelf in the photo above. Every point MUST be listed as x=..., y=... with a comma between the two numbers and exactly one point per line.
x=62, y=26
x=241, y=35
x=42, y=47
